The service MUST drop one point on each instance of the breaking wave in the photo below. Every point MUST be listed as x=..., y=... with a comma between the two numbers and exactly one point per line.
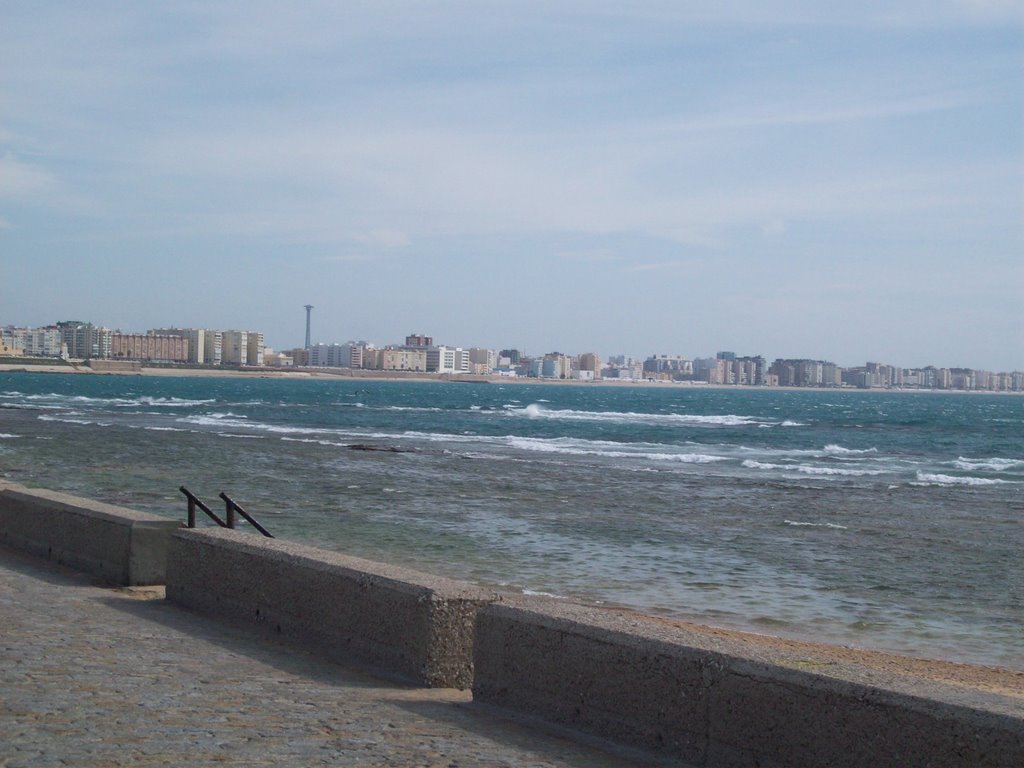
x=802, y=524
x=537, y=411
x=927, y=478
x=606, y=449
x=992, y=465
x=811, y=469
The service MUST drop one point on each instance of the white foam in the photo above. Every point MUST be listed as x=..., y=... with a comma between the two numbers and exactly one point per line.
x=993, y=465
x=575, y=447
x=166, y=402
x=66, y=420
x=812, y=469
x=926, y=478
x=7, y=436
x=242, y=422
x=117, y=402
x=314, y=441
x=538, y=593
x=537, y=411
x=808, y=469
x=838, y=450
x=802, y=524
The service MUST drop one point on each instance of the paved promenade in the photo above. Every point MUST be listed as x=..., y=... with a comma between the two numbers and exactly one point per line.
x=92, y=675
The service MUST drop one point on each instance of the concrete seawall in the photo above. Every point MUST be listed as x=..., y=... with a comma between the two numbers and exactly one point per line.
x=711, y=699
x=116, y=544
x=704, y=696
x=417, y=626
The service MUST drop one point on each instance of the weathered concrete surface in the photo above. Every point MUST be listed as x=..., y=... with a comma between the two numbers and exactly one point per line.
x=412, y=624
x=713, y=700
x=99, y=676
x=117, y=544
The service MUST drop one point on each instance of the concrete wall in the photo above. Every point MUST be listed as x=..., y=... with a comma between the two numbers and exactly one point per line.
x=117, y=544
x=705, y=696
x=417, y=626
x=711, y=700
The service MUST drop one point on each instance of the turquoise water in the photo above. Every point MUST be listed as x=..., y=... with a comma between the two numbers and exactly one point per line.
x=892, y=521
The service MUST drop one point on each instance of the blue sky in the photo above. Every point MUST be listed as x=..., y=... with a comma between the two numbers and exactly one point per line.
x=787, y=179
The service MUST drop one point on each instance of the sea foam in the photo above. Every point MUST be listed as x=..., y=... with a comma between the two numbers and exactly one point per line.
x=927, y=478
x=537, y=411
x=993, y=465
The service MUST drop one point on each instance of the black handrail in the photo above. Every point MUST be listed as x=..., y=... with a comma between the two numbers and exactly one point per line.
x=232, y=507
x=193, y=502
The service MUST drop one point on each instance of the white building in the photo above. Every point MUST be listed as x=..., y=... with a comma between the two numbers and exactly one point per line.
x=234, y=347
x=35, y=342
x=443, y=359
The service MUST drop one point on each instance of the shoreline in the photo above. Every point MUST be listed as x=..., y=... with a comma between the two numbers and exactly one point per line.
x=307, y=374
x=832, y=660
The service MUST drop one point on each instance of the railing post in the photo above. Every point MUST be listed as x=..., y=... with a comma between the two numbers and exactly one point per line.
x=191, y=512
x=230, y=509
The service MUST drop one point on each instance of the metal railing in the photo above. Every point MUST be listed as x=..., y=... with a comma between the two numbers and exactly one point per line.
x=231, y=508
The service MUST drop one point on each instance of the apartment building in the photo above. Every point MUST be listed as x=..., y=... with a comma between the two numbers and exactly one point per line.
x=163, y=348
x=196, y=338
x=403, y=359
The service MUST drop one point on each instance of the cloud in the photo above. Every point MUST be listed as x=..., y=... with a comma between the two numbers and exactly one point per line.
x=800, y=114
x=21, y=180
x=658, y=266
x=589, y=255
x=385, y=238
x=347, y=257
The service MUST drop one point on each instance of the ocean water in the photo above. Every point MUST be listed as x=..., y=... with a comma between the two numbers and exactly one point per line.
x=887, y=521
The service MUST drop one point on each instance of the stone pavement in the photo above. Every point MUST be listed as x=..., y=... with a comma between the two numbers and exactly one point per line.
x=93, y=675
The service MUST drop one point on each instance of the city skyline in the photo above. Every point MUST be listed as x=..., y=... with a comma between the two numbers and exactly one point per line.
x=254, y=341
x=840, y=183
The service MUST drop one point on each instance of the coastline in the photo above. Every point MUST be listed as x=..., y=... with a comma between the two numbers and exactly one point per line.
x=341, y=373
x=842, y=662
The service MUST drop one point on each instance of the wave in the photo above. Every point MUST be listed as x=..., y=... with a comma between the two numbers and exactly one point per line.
x=927, y=478
x=170, y=402
x=71, y=420
x=811, y=469
x=591, y=448
x=235, y=421
x=838, y=450
x=537, y=593
x=802, y=524
x=117, y=402
x=993, y=465
x=6, y=436
x=537, y=411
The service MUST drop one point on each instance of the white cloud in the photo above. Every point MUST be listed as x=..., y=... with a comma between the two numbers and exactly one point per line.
x=385, y=238
x=21, y=180
x=589, y=255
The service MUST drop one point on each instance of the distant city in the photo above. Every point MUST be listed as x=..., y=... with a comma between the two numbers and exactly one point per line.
x=104, y=349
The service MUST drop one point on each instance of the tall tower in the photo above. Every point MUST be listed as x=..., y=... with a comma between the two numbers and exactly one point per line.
x=309, y=310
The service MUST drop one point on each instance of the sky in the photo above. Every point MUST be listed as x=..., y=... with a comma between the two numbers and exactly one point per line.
x=839, y=181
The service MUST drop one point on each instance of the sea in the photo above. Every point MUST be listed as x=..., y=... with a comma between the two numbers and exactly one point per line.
x=880, y=520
